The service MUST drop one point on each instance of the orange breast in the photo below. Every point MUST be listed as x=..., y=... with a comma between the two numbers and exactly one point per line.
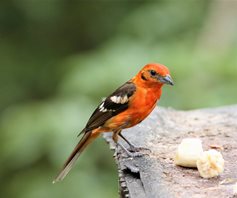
x=140, y=106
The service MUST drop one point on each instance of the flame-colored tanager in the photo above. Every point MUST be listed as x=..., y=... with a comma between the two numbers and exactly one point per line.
x=125, y=107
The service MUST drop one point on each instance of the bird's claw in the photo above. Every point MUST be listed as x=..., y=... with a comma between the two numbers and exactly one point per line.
x=135, y=154
x=134, y=151
x=138, y=149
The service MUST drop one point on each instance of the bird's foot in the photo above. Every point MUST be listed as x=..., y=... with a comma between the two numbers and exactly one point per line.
x=135, y=154
x=138, y=151
x=135, y=151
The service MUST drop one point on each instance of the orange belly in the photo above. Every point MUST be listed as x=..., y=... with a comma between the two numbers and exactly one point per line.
x=140, y=106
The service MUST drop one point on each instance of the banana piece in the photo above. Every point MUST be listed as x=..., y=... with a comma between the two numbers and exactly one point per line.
x=210, y=164
x=188, y=152
x=235, y=189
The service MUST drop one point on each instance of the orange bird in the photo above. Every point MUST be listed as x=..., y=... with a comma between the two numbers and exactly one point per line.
x=125, y=107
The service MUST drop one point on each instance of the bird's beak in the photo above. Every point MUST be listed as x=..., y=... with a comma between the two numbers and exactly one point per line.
x=167, y=80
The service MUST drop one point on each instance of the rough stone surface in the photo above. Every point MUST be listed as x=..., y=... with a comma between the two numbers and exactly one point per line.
x=155, y=175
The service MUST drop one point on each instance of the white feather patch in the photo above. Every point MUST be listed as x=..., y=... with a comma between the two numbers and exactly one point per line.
x=102, y=105
x=119, y=99
x=102, y=109
x=124, y=99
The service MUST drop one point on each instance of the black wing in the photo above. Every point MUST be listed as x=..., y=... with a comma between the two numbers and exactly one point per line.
x=114, y=104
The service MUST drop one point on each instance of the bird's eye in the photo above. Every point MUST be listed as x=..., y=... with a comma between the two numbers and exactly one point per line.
x=153, y=72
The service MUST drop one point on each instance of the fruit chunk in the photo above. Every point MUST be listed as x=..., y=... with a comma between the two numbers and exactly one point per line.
x=188, y=152
x=210, y=164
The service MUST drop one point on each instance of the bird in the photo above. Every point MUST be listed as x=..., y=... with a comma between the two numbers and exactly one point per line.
x=126, y=107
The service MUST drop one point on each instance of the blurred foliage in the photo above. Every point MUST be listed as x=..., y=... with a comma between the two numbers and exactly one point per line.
x=59, y=58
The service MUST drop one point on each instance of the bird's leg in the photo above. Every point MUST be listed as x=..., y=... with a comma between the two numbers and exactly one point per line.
x=132, y=147
x=130, y=154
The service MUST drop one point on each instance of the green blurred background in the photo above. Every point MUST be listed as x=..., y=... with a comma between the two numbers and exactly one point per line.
x=60, y=57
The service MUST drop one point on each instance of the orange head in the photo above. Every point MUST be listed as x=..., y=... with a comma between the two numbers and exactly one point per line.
x=154, y=74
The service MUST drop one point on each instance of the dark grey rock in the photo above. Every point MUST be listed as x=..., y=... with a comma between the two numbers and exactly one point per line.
x=154, y=175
